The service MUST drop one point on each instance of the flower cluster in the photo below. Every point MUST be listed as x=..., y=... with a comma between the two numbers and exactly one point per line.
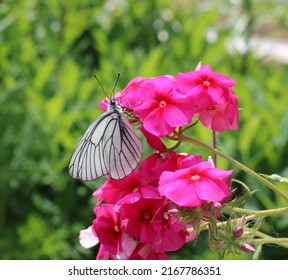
x=143, y=215
x=166, y=102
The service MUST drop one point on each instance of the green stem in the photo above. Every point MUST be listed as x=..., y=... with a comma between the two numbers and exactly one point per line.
x=214, y=147
x=236, y=163
x=267, y=239
x=278, y=241
x=262, y=213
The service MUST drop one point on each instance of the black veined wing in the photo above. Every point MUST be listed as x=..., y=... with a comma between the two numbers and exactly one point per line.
x=110, y=146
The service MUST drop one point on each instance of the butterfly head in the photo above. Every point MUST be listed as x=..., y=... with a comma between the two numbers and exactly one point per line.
x=114, y=106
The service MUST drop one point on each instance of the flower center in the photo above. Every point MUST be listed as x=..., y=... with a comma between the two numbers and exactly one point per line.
x=146, y=216
x=136, y=189
x=116, y=228
x=166, y=216
x=162, y=104
x=195, y=177
x=206, y=83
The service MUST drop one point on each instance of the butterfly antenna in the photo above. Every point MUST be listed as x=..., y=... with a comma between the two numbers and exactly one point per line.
x=117, y=80
x=105, y=93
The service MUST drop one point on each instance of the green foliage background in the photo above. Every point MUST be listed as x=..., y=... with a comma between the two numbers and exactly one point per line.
x=49, y=52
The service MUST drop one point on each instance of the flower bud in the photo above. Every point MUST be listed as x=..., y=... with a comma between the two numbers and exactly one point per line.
x=247, y=248
x=237, y=232
x=216, y=207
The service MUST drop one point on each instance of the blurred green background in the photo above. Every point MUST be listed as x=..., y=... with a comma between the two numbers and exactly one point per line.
x=49, y=52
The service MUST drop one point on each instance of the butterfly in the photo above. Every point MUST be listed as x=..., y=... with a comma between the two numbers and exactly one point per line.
x=110, y=147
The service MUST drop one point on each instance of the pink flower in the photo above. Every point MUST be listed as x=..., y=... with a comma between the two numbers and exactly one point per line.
x=186, y=160
x=109, y=228
x=129, y=189
x=221, y=116
x=154, y=141
x=203, y=87
x=171, y=234
x=163, y=108
x=193, y=185
x=153, y=166
x=131, y=95
x=104, y=104
x=140, y=216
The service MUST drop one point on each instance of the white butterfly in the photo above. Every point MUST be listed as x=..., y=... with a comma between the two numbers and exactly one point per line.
x=110, y=146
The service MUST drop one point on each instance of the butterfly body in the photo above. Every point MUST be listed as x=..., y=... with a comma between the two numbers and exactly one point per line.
x=110, y=146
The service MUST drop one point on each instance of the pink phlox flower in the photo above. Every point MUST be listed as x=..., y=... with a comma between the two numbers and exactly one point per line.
x=154, y=141
x=163, y=108
x=221, y=116
x=131, y=95
x=153, y=166
x=140, y=216
x=171, y=234
x=203, y=87
x=99, y=194
x=131, y=188
x=88, y=238
x=191, y=186
x=187, y=160
x=109, y=228
x=104, y=104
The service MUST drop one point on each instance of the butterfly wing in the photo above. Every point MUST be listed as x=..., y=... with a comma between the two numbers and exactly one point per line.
x=110, y=146
x=122, y=149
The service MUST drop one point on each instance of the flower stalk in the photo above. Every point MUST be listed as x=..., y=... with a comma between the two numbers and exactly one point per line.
x=262, y=213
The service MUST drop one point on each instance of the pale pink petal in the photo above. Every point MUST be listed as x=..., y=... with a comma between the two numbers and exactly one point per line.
x=199, y=65
x=247, y=248
x=128, y=247
x=191, y=236
x=87, y=238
